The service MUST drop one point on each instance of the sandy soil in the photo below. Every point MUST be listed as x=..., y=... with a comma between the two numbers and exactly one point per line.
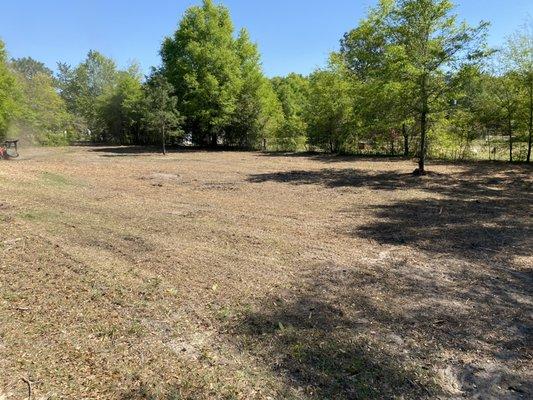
x=218, y=275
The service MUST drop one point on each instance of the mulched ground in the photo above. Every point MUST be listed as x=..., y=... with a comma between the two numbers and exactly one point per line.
x=225, y=275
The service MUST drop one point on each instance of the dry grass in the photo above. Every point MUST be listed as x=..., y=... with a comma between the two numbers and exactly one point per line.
x=128, y=275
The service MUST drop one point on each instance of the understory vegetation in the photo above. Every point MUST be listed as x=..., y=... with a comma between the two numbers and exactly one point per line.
x=410, y=79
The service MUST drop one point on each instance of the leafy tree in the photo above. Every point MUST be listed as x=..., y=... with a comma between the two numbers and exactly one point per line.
x=82, y=89
x=465, y=121
x=417, y=44
x=160, y=113
x=43, y=115
x=518, y=57
x=364, y=48
x=271, y=117
x=244, y=130
x=68, y=88
x=30, y=67
x=201, y=63
x=380, y=107
x=329, y=109
x=503, y=104
x=429, y=42
x=7, y=99
x=257, y=110
x=121, y=109
x=292, y=92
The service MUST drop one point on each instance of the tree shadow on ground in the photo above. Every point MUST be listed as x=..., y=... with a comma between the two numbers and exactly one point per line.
x=355, y=333
x=475, y=180
x=125, y=151
x=477, y=210
x=466, y=229
x=334, y=158
x=447, y=285
x=132, y=151
x=334, y=178
x=331, y=158
x=321, y=352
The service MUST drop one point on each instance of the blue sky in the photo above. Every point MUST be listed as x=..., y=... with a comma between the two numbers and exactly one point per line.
x=293, y=35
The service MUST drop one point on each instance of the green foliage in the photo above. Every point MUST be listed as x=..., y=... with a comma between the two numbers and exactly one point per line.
x=42, y=116
x=364, y=47
x=244, y=129
x=201, y=62
x=85, y=87
x=518, y=59
x=409, y=75
x=502, y=104
x=218, y=80
x=8, y=103
x=121, y=107
x=329, y=110
x=161, y=116
x=292, y=92
x=409, y=47
x=258, y=112
x=271, y=117
x=29, y=67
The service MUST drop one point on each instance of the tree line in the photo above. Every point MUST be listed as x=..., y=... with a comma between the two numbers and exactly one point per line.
x=410, y=79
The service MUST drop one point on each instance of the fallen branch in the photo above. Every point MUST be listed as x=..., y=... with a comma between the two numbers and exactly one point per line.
x=29, y=383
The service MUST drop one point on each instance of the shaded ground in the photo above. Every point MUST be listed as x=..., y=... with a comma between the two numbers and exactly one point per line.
x=128, y=275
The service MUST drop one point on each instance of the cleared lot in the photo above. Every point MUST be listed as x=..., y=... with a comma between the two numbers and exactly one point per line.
x=128, y=275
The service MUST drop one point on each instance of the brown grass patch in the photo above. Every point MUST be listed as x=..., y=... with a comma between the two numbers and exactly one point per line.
x=128, y=275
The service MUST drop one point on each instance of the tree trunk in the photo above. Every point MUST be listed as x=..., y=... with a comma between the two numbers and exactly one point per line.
x=530, y=119
x=423, y=128
x=405, y=141
x=510, y=129
x=163, y=140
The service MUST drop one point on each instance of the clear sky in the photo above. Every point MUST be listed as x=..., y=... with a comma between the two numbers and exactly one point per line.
x=293, y=35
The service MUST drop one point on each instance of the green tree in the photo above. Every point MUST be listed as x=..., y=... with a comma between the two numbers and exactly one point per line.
x=120, y=107
x=518, y=56
x=43, y=116
x=30, y=67
x=8, y=102
x=82, y=89
x=380, y=107
x=502, y=104
x=245, y=127
x=429, y=42
x=417, y=44
x=161, y=116
x=329, y=111
x=293, y=93
x=271, y=117
x=258, y=111
x=201, y=63
x=458, y=130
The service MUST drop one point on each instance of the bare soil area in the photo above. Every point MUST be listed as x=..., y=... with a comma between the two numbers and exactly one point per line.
x=125, y=274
